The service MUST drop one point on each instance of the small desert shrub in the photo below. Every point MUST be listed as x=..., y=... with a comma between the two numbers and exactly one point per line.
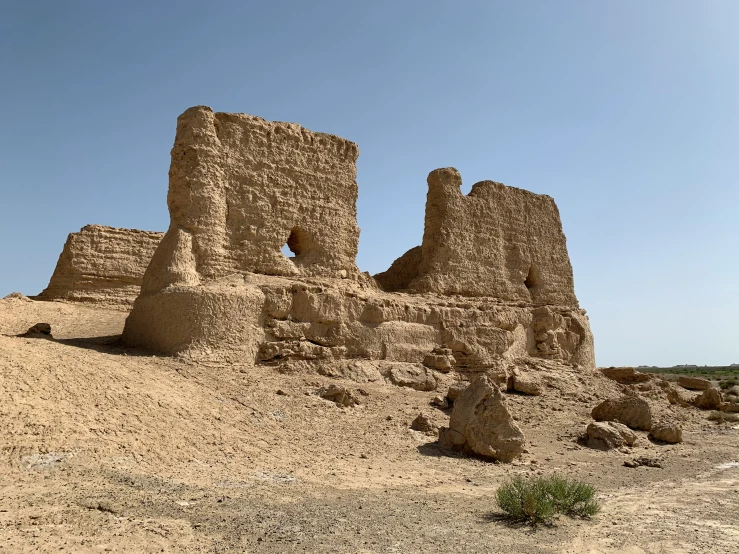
x=572, y=498
x=525, y=501
x=728, y=383
x=537, y=500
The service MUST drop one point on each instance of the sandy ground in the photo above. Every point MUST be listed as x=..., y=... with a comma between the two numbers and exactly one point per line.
x=107, y=449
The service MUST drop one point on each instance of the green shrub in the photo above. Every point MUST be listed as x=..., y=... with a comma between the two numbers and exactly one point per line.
x=525, y=501
x=728, y=383
x=537, y=500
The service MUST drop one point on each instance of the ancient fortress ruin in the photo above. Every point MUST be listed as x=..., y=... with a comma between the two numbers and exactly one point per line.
x=102, y=266
x=490, y=285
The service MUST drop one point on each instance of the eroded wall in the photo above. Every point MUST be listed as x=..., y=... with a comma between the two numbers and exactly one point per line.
x=240, y=188
x=497, y=241
x=218, y=285
x=102, y=265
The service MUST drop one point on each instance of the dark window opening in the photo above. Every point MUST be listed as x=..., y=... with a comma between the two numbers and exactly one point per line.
x=298, y=243
x=532, y=279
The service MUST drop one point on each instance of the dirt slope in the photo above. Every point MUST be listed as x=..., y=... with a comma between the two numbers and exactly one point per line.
x=106, y=448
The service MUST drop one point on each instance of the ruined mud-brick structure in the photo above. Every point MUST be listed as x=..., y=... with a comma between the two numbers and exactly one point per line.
x=490, y=284
x=102, y=266
x=497, y=241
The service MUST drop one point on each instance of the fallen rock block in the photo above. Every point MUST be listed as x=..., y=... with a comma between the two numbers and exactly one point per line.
x=339, y=395
x=440, y=359
x=629, y=410
x=527, y=384
x=667, y=432
x=423, y=424
x=414, y=376
x=607, y=435
x=710, y=399
x=625, y=375
x=481, y=424
x=456, y=389
x=40, y=330
x=440, y=402
x=643, y=461
x=675, y=396
x=694, y=383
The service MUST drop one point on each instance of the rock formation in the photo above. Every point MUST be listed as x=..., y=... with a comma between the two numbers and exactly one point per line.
x=694, y=383
x=493, y=286
x=625, y=375
x=709, y=399
x=667, y=432
x=103, y=266
x=632, y=411
x=481, y=424
x=605, y=435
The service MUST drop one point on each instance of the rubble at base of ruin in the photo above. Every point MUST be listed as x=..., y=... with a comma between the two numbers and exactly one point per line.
x=491, y=282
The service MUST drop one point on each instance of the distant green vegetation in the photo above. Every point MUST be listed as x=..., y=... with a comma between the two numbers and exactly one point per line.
x=717, y=373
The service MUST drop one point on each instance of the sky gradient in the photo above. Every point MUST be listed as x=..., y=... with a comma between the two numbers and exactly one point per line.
x=625, y=112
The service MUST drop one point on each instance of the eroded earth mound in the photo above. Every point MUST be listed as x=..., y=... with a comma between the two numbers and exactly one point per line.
x=102, y=266
x=107, y=449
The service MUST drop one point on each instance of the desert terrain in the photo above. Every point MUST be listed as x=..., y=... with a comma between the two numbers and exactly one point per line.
x=108, y=448
x=201, y=391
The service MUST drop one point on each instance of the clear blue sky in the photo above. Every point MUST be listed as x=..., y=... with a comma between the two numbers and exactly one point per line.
x=625, y=112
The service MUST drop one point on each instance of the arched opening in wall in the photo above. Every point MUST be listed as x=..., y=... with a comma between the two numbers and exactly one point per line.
x=532, y=279
x=298, y=244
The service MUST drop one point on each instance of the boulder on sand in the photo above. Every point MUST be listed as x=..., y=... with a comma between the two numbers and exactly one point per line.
x=40, y=330
x=625, y=375
x=709, y=399
x=667, y=432
x=481, y=424
x=423, y=424
x=693, y=383
x=339, y=395
x=605, y=435
x=632, y=411
x=527, y=384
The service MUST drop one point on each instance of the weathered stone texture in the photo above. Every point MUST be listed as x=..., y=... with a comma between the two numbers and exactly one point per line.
x=497, y=241
x=481, y=424
x=709, y=399
x=402, y=271
x=328, y=322
x=667, y=432
x=625, y=375
x=632, y=411
x=605, y=435
x=102, y=265
x=240, y=188
x=694, y=383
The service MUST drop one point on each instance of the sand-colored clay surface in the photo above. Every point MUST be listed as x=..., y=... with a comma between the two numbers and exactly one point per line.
x=109, y=449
